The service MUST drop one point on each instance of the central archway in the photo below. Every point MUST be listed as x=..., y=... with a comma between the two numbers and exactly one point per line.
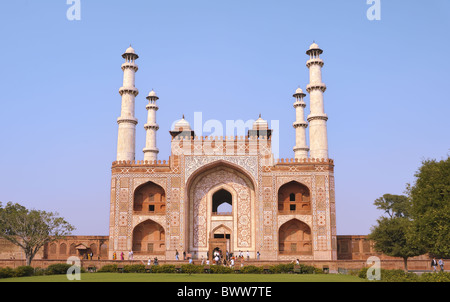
x=207, y=189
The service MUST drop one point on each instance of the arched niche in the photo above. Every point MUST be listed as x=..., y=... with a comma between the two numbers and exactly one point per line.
x=294, y=238
x=149, y=238
x=149, y=198
x=294, y=198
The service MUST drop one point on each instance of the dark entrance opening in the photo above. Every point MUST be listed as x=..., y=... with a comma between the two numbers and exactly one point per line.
x=222, y=202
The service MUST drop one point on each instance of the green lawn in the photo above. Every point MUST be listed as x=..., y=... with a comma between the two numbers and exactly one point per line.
x=135, y=277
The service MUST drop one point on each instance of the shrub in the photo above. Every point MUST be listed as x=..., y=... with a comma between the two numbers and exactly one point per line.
x=39, y=271
x=6, y=272
x=387, y=275
x=282, y=268
x=251, y=269
x=398, y=276
x=57, y=269
x=24, y=271
x=435, y=277
x=165, y=268
x=134, y=268
x=191, y=269
x=308, y=269
x=109, y=268
x=219, y=269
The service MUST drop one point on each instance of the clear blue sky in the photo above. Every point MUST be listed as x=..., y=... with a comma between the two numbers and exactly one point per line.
x=387, y=98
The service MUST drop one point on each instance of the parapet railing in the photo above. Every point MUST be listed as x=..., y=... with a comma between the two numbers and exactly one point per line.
x=280, y=161
x=221, y=138
x=153, y=163
x=304, y=160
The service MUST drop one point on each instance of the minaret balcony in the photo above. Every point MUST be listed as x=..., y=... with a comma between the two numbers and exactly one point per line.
x=151, y=126
x=314, y=86
x=130, y=65
x=130, y=90
x=313, y=61
x=300, y=124
x=317, y=117
x=130, y=120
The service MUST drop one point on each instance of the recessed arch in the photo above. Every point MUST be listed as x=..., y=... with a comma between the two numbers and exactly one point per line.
x=149, y=238
x=149, y=198
x=295, y=238
x=294, y=198
x=200, y=188
x=218, y=164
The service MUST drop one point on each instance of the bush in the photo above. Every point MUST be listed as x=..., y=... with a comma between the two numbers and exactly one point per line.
x=57, y=269
x=134, y=268
x=282, y=268
x=191, y=269
x=165, y=268
x=219, y=269
x=109, y=268
x=435, y=277
x=308, y=269
x=6, y=272
x=39, y=271
x=24, y=271
x=251, y=269
x=387, y=275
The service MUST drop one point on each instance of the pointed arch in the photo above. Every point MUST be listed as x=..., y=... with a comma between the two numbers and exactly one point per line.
x=294, y=198
x=295, y=238
x=149, y=238
x=149, y=198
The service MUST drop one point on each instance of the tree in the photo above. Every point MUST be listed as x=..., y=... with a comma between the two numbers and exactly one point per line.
x=393, y=235
x=394, y=205
x=31, y=229
x=430, y=196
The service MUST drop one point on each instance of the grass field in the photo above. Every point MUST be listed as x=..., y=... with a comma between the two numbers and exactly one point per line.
x=135, y=277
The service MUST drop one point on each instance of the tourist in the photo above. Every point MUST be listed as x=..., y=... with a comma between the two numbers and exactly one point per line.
x=248, y=255
x=155, y=261
x=203, y=260
x=176, y=255
x=184, y=255
x=122, y=256
x=441, y=264
x=257, y=255
x=114, y=256
x=149, y=262
x=232, y=262
x=434, y=264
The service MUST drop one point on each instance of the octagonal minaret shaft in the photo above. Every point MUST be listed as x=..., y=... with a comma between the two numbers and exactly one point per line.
x=317, y=118
x=150, y=150
x=301, y=148
x=126, y=140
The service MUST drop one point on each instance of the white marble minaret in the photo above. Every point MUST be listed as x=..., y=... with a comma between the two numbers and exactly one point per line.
x=317, y=118
x=126, y=139
x=301, y=149
x=150, y=150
